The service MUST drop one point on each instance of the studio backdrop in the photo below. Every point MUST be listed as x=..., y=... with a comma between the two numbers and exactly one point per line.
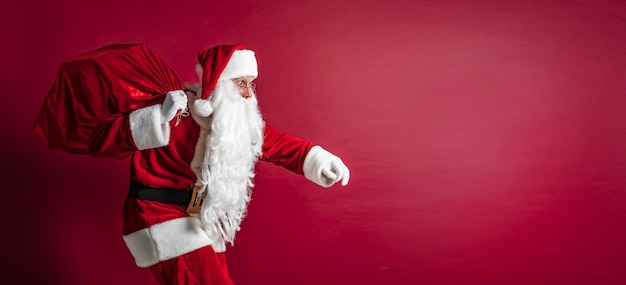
x=486, y=140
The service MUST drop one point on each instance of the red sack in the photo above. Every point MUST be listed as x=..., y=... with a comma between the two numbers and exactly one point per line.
x=110, y=81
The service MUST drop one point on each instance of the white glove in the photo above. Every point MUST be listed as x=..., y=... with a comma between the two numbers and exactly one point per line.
x=174, y=101
x=324, y=168
x=334, y=171
x=200, y=109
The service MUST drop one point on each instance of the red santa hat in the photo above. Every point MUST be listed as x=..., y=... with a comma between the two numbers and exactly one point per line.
x=225, y=62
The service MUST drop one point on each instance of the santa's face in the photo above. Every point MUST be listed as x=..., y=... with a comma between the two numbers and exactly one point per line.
x=245, y=85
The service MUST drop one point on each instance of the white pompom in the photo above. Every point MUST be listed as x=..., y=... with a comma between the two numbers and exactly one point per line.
x=202, y=108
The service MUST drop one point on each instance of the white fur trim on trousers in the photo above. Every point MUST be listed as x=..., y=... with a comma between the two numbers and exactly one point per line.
x=168, y=240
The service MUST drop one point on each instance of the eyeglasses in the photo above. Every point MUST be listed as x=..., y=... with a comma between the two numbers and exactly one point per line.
x=243, y=85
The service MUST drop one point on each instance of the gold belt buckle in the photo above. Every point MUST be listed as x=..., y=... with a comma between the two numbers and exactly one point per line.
x=196, y=200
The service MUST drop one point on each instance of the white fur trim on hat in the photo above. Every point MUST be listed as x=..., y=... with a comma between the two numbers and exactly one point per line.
x=242, y=63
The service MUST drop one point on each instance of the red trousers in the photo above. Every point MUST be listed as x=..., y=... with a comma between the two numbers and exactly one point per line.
x=199, y=267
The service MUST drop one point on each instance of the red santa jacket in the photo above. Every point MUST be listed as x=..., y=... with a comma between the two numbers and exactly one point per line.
x=167, y=165
x=161, y=157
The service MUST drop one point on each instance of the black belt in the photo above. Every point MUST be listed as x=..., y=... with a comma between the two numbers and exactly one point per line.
x=163, y=195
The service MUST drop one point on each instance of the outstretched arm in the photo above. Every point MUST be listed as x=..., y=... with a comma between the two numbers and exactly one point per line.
x=303, y=157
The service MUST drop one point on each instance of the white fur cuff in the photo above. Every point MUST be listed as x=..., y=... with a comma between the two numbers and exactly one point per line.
x=146, y=128
x=315, y=160
x=168, y=240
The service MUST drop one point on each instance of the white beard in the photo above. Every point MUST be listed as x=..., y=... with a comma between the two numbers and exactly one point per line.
x=233, y=146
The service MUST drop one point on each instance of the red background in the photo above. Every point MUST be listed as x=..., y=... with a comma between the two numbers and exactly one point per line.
x=486, y=139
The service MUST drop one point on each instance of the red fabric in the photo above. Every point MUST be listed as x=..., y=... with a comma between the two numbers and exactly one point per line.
x=199, y=267
x=140, y=214
x=169, y=167
x=95, y=91
x=284, y=150
x=213, y=62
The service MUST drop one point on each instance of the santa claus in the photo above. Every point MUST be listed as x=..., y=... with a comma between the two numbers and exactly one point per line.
x=191, y=176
